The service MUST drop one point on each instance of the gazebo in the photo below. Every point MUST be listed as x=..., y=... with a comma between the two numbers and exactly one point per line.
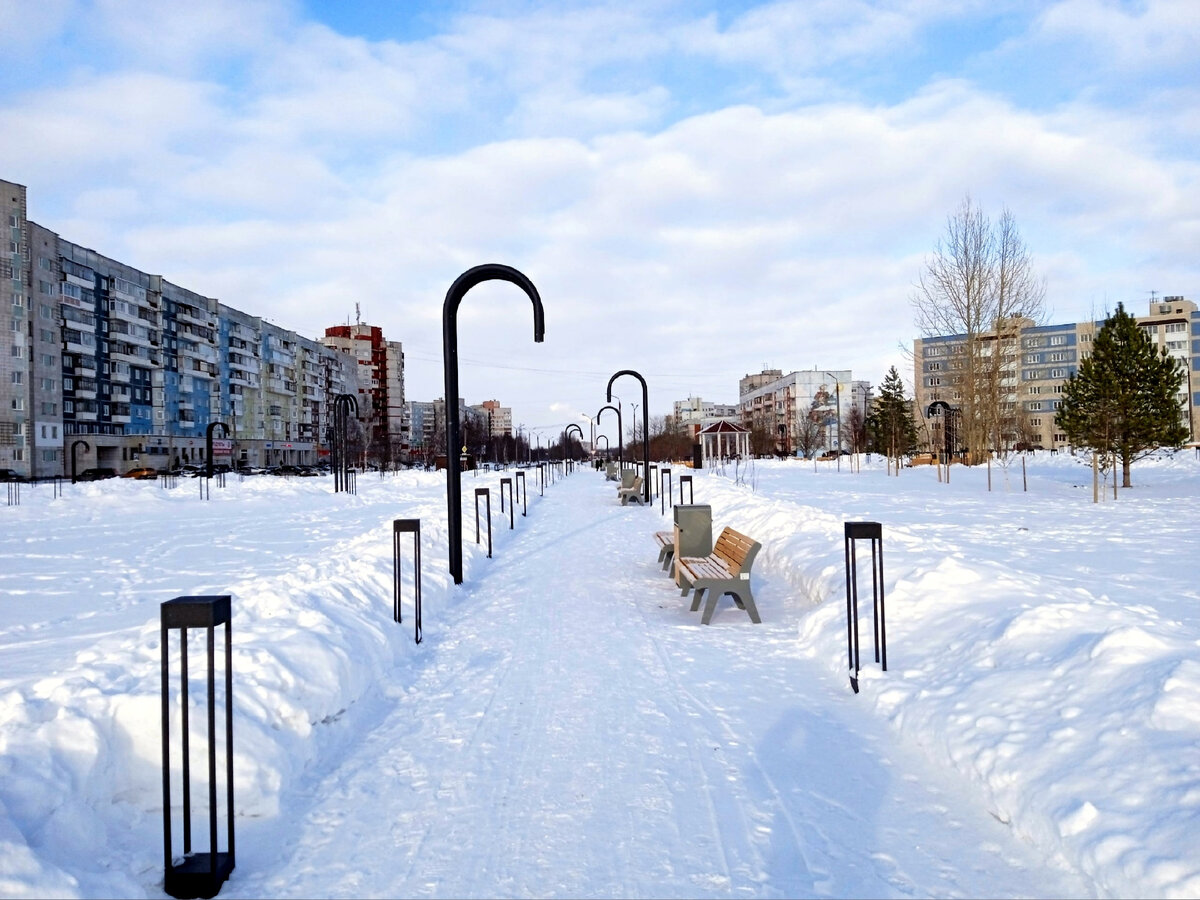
x=722, y=440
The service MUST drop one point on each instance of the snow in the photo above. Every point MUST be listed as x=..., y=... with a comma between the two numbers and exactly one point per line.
x=567, y=728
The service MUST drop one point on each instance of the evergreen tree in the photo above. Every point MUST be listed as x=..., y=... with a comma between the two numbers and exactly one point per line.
x=890, y=424
x=1124, y=398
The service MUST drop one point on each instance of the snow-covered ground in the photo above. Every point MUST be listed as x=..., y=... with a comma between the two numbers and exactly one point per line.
x=567, y=728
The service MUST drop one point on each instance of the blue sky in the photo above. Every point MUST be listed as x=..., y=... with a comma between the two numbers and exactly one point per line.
x=699, y=190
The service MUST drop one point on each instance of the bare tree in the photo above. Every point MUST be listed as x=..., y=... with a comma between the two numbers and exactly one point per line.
x=979, y=286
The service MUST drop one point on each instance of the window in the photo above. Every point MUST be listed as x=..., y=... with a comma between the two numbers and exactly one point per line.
x=1033, y=389
x=18, y=351
x=1060, y=437
x=1176, y=345
x=1059, y=357
x=1035, y=405
x=69, y=407
x=17, y=376
x=49, y=409
x=1058, y=373
x=49, y=455
x=1032, y=359
x=45, y=312
x=1057, y=340
x=18, y=300
x=18, y=403
x=1172, y=327
x=46, y=335
x=1036, y=423
x=48, y=384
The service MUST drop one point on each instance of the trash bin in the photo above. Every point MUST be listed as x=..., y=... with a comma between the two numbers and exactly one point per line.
x=693, y=532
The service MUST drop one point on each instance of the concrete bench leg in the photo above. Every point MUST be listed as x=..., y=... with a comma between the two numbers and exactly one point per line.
x=741, y=597
x=696, y=598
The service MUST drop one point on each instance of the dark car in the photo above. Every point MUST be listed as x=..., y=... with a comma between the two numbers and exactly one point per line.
x=97, y=474
x=10, y=475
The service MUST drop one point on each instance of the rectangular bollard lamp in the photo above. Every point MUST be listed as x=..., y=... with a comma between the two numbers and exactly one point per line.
x=691, y=493
x=523, y=491
x=197, y=874
x=512, y=506
x=487, y=495
x=413, y=527
x=872, y=531
x=669, y=492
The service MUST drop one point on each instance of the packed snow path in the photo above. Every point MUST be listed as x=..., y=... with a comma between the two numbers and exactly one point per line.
x=574, y=731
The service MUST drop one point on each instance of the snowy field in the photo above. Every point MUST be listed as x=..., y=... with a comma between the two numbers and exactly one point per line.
x=568, y=728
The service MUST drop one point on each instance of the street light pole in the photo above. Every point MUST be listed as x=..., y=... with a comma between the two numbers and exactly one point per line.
x=462, y=284
x=837, y=387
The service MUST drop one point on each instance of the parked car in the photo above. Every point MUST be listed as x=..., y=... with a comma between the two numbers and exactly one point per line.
x=10, y=475
x=98, y=473
x=142, y=473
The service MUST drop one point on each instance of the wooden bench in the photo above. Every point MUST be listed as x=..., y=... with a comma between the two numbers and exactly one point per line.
x=725, y=571
x=666, y=548
x=633, y=492
x=610, y=472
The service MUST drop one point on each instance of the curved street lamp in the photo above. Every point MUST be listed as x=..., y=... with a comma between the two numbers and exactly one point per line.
x=74, y=463
x=343, y=404
x=947, y=412
x=837, y=386
x=454, y=296
x=645, y=426
x=620, y=433
x=567, y=432
x=606, y=443
x=208, y=438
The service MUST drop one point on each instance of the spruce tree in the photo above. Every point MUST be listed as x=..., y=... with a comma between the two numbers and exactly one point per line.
x=1124, y=397
x=891, y=425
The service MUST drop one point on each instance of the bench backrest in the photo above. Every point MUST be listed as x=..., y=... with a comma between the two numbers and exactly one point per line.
x=636, y=487
x=627, y=478
x=737, y=550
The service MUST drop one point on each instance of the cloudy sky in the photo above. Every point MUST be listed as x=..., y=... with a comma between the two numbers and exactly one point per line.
x=698, y=189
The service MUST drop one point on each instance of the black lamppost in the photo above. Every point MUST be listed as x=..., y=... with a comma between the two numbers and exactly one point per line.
x=947, y=412
x=620, y=433
x=837, y=386
x=606, y=443
x=74, y=447
x=462, y=284
x=208, y=439
x=567, y=433
x=343, y=405
x=645, y=426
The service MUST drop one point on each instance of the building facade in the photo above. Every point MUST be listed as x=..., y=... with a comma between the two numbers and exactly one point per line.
x=118, y=368
x=695, y=414
x=496, y=419
x=1036, y=361
x=781, y=404
x=380, y=384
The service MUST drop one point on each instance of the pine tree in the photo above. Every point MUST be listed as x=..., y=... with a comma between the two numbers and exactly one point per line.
x=1123, y=399
x=890, y=424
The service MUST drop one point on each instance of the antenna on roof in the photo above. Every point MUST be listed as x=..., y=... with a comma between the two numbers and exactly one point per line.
x=1153, y=295
x=357, y=314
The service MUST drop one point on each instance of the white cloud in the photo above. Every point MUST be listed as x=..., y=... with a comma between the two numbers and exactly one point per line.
x=1155, y=33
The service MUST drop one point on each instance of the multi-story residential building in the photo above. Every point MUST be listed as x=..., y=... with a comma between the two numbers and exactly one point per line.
x=381, y=382
x=423, y=426
x=496, y=419
x=1036, y=362
x=131, y=369
x=780, y=403
x=695, y=414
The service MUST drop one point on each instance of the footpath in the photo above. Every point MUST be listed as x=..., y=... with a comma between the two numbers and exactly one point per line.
x=576, y=732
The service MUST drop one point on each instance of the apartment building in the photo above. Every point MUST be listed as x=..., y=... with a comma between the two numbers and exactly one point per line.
x=497, y=419
x=121, y=368
x=381, y=382
x=1035, y=362
x=695, y=414
x=780, y=403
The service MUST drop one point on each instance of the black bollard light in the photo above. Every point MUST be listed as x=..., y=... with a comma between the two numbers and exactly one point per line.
x=462, y=284
x=665, y=474
x=523, y=492
x=873, y=532
x=487, y=496
x=413, y=527
x=198, y=874
x=691, y=493
x=512, y=506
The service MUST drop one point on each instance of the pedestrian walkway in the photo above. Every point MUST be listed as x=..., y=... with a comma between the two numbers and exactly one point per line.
x=576, y=732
